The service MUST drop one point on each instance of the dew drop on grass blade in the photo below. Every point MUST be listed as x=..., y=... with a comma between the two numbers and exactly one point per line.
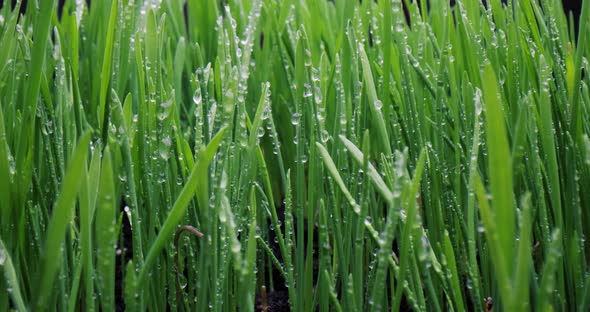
x=196, y=182
x=499, y=166
x=61, y=217
x=105, y=233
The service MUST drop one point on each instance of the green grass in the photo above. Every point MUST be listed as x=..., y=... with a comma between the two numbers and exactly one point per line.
x=328, y=150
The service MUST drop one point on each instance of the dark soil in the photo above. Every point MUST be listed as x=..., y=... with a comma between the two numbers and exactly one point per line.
x=276, y=301
x=124, y=254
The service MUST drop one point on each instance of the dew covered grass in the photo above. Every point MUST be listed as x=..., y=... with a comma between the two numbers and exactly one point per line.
x=309, y=155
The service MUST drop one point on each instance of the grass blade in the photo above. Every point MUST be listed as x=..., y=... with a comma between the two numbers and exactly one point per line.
x=11, y=278
x=105, y=230
x=196, y=179
x=61, y=217
x=499, y=167
x=336, y=176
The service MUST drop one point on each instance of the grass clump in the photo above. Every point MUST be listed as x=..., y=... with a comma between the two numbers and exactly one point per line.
x=344, y=155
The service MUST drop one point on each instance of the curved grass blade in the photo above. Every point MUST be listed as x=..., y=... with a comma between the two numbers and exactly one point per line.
x=372, y=172
x=336, y=176
x=197, y=178
x=373, y=105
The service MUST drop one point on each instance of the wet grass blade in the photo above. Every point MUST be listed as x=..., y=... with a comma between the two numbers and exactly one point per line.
x=499, y=167
x=374, y=103
x=196, y=179
x=26, y=133
x=336, y=176
x=61, y=217
x=105, y=76
x=11, y=277
x=105, y=230
x=383, y=189
x=5, y=176
x=487, y=104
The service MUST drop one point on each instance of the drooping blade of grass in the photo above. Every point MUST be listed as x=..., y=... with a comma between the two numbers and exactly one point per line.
x=11, y=277
x=499, y=167
x=197, y=177
x=105, y=234
x=383, y=189
x=374, y=103
x=61, y=217
x=336, y=176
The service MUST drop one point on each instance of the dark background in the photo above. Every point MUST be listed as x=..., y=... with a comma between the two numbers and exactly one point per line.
x=573, y=6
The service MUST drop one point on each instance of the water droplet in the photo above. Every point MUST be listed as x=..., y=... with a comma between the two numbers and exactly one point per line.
x=480, y=229
x=478, y=104
x=315, y=75
x=266, y=112
x=295, y=119
x=318, y=95
x=182, y=281
x=2, y=256
x=12, y=168
x=307, y=90
x=165, y=148
x=197, y=97
x=260, y=132
x=378, y=104
x=303, y=159
x=324, y=136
